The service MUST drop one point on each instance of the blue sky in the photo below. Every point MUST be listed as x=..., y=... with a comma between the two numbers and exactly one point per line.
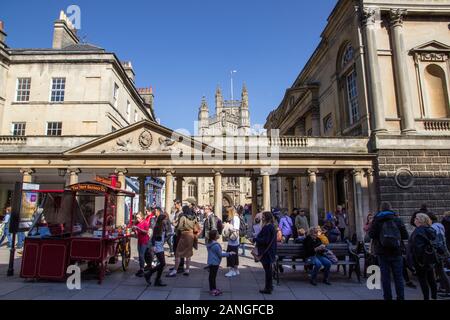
x=185, y=48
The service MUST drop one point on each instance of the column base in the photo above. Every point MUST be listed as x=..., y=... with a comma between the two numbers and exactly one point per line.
x=379, y=131
x=409, y=131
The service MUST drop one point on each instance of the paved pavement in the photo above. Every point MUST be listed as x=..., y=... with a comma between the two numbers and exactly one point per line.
x=121, y=285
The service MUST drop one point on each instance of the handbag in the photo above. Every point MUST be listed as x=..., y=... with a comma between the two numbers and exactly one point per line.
x=331, y=256
x=255, y=251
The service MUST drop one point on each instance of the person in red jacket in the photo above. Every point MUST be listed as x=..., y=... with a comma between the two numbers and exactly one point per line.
x=141, y=229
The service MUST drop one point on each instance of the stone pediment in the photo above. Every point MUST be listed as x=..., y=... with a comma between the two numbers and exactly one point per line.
x=140, y=138
x=431, y=51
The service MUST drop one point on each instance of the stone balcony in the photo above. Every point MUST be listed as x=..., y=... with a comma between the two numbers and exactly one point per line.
x=41, y=144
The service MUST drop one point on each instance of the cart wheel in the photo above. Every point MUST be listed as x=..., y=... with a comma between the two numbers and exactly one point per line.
x=126, y=254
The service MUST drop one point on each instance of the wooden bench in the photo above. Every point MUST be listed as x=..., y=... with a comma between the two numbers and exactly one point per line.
x=291, y=254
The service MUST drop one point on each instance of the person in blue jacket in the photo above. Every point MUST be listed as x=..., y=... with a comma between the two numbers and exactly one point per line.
x=266, y=243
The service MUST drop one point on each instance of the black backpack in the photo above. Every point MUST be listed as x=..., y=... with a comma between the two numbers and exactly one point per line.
x=242, y=227
x=215, y=223
x=390, y=236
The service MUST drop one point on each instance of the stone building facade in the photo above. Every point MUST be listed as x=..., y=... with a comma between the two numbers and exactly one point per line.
x=73, y=90
x=381, y=71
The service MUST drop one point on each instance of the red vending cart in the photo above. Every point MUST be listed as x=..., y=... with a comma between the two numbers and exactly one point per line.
x=77, y=224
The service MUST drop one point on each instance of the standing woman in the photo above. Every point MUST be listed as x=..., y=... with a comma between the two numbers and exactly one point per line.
x=157, y=242
x=267, y=246
x=421, y=257
x=233, y=242
x=186, y=227
x=141, y=229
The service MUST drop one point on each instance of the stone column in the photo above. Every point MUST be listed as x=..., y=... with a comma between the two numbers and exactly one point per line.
x=218, y=193
x=326, y=200
x=402, y=79
x=254, y=181
x=313, y=206
x=266, y=190
x=169, y=190
x=179, y=185
x=315, y=118
x=73, y=175
x=290, y=194
x=357, y=205
x=120, y=205
x=368, y=17
x=27, y=175
x=300, y=129
x=142, y=194
x=373, y=207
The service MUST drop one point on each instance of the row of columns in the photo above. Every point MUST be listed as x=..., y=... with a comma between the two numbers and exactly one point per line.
x=368, y=19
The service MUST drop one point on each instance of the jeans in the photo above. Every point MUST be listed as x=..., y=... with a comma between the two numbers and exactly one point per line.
x=20, y=239
x=160, y=267
x=394, y=264
x=242, y=246
x=319, y=262
x=268, y=276
x=212, y=277
x=427, y=282
x=141, y=252
x=169, y=241
x=8, y=237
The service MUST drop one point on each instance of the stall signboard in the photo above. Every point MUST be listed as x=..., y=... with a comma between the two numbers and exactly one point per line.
x=109, y=181
x=88, y=187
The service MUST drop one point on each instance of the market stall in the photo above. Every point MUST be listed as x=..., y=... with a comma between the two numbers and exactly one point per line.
x=77, y=225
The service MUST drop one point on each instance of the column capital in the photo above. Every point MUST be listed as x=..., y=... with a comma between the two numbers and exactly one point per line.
x=217, y=172
x=369, y=172
x=28, y=171
x=265, y=172
x=396, y=17
x=73, y=171
x=356, y=172
x=168, y=172
x=368, y=16
x=120, y=171
x=312, y=172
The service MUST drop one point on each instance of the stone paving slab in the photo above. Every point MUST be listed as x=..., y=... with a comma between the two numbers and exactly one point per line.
x=246, y=286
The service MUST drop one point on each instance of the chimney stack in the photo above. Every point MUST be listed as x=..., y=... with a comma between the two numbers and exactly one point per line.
x=147, y=95
x=129, y=70
x=2, y=35
x=64, y=33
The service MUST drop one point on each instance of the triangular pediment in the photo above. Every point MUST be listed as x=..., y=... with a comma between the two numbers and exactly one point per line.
x=144, y=137
x=432, y=46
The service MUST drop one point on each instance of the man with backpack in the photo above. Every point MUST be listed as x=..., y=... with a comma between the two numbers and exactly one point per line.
x=387, y=232
x=212, y=222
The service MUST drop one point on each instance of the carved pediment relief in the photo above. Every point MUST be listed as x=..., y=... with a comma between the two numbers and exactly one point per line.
x=434, y=51
x=142, y=137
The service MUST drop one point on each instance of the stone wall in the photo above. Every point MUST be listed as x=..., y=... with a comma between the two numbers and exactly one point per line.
x=408, y=178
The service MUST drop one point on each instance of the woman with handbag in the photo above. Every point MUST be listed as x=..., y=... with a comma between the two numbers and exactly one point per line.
x=187, y=229
x=266, y=248
x=233, y=242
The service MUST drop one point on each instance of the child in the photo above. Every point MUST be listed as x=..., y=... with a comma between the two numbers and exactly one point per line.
x=301, y=236
x=215, y=255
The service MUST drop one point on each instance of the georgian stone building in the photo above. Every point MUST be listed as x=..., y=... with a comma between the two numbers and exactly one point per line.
x=381, y=71
x=231, y=118
x=73, y=90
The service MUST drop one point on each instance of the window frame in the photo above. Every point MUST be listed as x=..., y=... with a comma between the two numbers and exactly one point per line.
x=116, y=89
x=63, y=90
x=23, y=90
x=54, y=129
x=13, y=129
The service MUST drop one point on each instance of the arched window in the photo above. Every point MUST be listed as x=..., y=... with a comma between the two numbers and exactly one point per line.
x=436, y=91
x=349, y=84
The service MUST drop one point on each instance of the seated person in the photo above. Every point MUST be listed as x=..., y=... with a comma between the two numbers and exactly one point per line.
x=301, y=236
x=332, y=232
x=321, y=235
x=315, y=251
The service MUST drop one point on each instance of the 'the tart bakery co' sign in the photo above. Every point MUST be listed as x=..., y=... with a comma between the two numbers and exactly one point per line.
x=109, y=181
x=88, y=187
